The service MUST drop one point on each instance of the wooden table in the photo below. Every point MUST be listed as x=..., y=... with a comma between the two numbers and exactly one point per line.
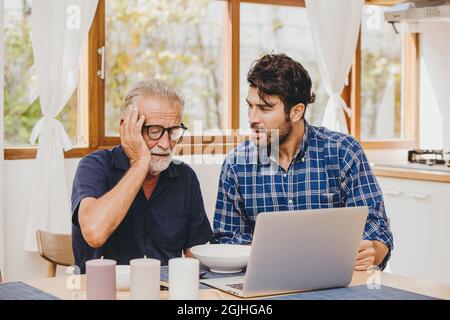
x=61, y=286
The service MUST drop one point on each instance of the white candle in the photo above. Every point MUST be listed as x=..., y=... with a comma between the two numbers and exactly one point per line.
x=101, y=279
x=145, y=279
x=123, y=277
x=183, y=278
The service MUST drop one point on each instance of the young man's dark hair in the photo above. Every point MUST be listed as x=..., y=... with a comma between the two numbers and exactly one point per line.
x=278, y=74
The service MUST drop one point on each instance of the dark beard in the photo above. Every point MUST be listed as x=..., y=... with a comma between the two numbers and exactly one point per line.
x=285, y=132
x=288, y=129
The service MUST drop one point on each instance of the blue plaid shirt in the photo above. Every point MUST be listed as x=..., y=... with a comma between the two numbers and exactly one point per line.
x=329, y=170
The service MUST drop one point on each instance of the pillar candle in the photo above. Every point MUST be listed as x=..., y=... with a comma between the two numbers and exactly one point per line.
x=101, y=279
x=145, y=279
x=183, y=278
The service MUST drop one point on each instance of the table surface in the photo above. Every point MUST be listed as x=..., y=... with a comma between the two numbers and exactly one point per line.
x=73, y=287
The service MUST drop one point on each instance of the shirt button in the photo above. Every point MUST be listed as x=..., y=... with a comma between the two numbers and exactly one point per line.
x=284, y=175
x=290, y=201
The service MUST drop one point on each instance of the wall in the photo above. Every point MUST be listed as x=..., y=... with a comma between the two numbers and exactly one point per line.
x=20, y=264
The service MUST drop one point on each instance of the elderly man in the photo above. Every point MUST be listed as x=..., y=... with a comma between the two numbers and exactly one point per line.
x=132, y=201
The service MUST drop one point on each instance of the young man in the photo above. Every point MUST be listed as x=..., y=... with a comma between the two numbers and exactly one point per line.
x=133, y=201
x=291, y=165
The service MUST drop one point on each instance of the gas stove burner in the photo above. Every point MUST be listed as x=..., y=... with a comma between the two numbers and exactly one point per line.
x=428, y=157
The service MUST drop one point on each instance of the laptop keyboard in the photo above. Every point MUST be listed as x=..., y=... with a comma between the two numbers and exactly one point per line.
x=239, y=286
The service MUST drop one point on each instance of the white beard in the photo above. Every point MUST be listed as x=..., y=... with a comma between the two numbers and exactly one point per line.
x=158, y=164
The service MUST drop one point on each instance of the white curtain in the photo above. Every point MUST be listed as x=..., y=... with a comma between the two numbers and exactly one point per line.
x=385, y=110
x=335, y=27
x=59, y=30
x=2, y=219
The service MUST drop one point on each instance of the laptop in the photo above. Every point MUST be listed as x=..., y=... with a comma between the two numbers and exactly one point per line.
x=295, y=251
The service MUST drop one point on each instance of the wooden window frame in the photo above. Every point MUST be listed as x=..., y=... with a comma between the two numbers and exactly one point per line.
x=410, y=87
x=92, y=93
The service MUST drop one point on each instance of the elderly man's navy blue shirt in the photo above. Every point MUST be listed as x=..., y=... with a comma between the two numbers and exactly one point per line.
x=172, y=220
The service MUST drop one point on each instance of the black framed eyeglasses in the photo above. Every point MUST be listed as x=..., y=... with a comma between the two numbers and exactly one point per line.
x=155, y=132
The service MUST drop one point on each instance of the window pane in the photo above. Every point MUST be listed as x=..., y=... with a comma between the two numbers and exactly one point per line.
x=381, y=50
x=21, y=103
x=179, y=41
x=278, y=29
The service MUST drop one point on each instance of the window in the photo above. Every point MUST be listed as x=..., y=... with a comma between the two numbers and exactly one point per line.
x=281, y=29
x=21, y=103
x=384, y=84
x=205, y=49
x=179, y=41
x=381, y=73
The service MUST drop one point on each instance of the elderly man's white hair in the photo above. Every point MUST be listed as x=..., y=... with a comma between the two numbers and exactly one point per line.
x=153, y=88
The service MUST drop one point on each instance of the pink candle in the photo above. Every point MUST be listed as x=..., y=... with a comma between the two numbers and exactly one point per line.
x=101, y=279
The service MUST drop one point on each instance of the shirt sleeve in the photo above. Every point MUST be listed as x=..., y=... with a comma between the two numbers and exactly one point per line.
x=230, y=225
x=360, y=188
x=90, y=180
x=200, y=231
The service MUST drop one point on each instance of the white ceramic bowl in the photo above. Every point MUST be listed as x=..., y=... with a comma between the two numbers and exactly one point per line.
x=123, y=273
x=222, y=258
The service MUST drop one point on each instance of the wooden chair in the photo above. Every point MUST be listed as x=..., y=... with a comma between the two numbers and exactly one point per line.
x=56, y=249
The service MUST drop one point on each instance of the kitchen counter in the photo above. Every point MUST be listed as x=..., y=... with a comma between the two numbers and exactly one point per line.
x=414, y=171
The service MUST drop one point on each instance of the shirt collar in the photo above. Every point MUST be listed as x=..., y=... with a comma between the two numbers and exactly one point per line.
x=120, y=161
